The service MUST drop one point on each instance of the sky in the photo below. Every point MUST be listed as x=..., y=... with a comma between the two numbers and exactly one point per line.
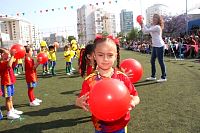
x=64, y=21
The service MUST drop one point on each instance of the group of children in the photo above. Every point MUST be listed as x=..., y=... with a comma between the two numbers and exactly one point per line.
x=7, y=66
x=95, y=63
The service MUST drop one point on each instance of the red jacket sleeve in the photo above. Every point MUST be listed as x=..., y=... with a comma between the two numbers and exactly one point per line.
x=130, y=86
x=85, y=88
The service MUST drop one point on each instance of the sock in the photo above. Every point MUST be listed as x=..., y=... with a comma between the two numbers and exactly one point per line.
x=31, y=94
x=67, y=70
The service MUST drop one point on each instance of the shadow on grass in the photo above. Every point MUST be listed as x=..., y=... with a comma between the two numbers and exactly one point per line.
x=69, y=76
x=47, y=111
x=143, y=81
x=20, y=78
x=69, y=92
x=16, y=106
x=143, y=84
x=40, y=127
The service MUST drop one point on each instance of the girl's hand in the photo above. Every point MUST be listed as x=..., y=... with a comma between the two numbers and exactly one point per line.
x=128, y=73
x=134, y=101
x=82, y=101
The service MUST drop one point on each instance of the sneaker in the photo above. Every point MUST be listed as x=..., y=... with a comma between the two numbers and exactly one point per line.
x=17, y=111
x=151, y=78
x=38, y=100
x=71, y=73
x=11, y=115
x=161, y=80
x=68, y=74
x=16, y=74
x=73, y=69
x=34, y=103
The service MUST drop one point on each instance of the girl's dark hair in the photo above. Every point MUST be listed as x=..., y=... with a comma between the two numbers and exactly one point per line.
x=103, y=39
x=83, y=61
x=66, y=47
x=51, y=47
x=28, y=48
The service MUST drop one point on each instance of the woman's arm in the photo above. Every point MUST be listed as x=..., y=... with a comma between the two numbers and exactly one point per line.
x=155, y=28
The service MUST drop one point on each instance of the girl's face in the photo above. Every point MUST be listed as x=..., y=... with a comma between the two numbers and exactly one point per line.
x=43, y=48
x=155, y=20
x=30, y=52
x=5, y=56
x=105, y=54
x=66, y=49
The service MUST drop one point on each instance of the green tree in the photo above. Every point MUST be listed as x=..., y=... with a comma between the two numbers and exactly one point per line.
x=133, y=34
x=105, y=33
x=70, y=38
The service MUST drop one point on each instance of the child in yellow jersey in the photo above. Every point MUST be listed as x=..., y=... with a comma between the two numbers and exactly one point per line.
x=15, y=68
x=73, y=53
x=67, y=56
x=45, y=65
x=52, y=54
x=20, y=64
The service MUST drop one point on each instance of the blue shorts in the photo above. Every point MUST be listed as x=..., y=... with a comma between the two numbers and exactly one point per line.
x=45, y=64
x=123, y=130
x=7, y=90
x=53, y=63
x=32, y=84
x=68, y=63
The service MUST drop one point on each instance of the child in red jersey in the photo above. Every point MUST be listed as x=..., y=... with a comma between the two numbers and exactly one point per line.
x=86, y=61
x=31, y=76
x=7, y=82
x=106, y=52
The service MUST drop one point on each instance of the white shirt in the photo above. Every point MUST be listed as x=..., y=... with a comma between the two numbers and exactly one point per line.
x=156, y=34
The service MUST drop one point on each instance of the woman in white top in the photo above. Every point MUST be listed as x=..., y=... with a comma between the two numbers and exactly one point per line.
x=157, y=47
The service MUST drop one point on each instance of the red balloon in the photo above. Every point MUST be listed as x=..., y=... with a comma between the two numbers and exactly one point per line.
x=139, y=19
x=109, y=99
x=42, y=57
x=19, y=51
x=132, y=67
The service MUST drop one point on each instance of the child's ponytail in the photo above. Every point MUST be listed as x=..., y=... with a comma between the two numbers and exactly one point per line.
x=118, y=56
x=83, y=61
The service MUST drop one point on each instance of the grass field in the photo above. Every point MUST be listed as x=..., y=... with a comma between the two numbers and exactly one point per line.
x=170, y=107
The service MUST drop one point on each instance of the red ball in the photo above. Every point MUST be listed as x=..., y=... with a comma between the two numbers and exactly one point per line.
x=139, y=19
x=133, y=67
x=19, y=51
x=109, y=99
x=42, y=57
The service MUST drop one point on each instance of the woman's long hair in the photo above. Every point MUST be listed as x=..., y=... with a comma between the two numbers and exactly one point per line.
x=160, y=20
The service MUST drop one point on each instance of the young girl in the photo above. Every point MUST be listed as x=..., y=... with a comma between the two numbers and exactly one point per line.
x=86, y=61
x=105, y=53
x=31, y=76
x=52, y=54
x=7, y=82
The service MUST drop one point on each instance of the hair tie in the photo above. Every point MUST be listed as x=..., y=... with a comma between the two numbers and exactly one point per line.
x=115, y=40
